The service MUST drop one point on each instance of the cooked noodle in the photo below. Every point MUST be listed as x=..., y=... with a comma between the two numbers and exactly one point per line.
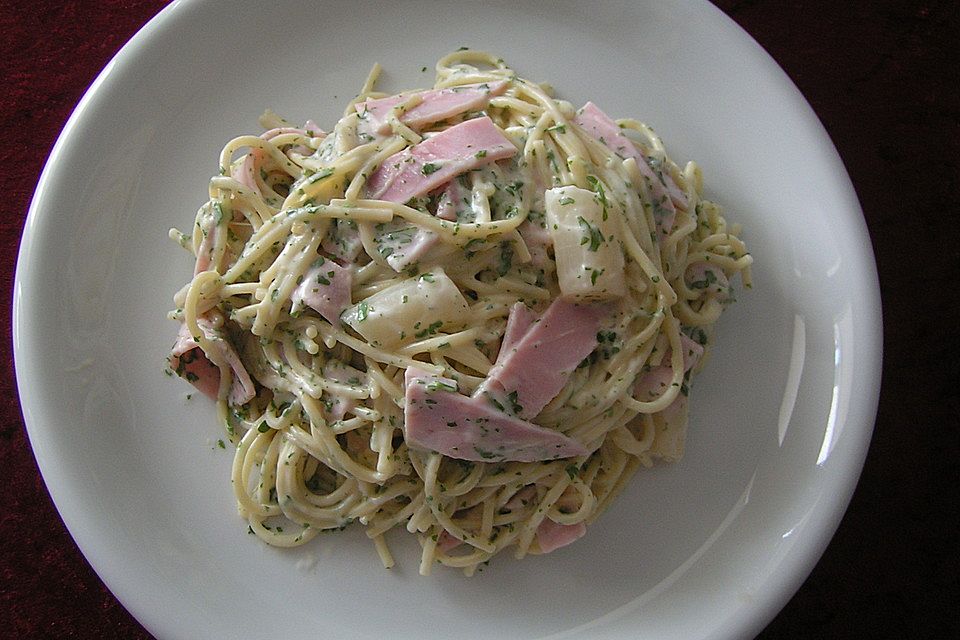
x=321, y=444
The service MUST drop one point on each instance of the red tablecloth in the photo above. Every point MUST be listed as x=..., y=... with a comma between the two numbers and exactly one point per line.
x=883, y=77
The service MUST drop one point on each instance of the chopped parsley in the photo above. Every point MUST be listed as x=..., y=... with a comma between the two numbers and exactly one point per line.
x=320, y=175
x=597, y=187
x=430, y=330
x=515, y=406
x=591, y=234
x=439, y=385
x=483, y=453
x=506, y=258
x=495, y=403
x=709, y=278
x=514, y=188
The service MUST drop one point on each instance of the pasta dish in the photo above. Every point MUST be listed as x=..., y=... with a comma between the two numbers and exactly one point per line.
x=471, y=312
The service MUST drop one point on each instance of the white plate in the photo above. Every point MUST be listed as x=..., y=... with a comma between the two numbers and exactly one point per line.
x=710, y=547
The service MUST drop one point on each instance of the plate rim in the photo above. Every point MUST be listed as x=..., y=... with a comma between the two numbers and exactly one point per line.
x=802, y=559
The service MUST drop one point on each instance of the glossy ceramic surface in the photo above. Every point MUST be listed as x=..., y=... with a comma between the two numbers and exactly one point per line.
x=710, y=547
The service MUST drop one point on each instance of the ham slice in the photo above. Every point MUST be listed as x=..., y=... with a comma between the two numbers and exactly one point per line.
x=438, y=418
x=403, y=245
x=209, y=227
x=538, y=239
x=692, y=352
x=654, y=383
x=417, y=170
x=518, y=323
x=521, y=498
x=449, y=201
x=343, y=241
x=537, y=365
x=435, y=105
x=446, y=541
x=663, y=189
x=325, y=289
x=189, y=361
x=244, y=173
x=551, y=536
x=670, y=436
x=343, y=374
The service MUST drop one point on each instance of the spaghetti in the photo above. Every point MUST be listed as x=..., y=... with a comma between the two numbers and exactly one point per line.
x=471, y=312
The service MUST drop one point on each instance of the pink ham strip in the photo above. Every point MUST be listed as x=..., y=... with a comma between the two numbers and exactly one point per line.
x=436, y=105
x=446, y=541
x=245, y=173
x=518, y=323
x=424, y=167
x=654, y=382
x=538, y=365
x=438, y=418
x=209, y=228
x=521, y=498
x=665, y=191
x=448, y=202
x=678, y=197
x=188, y=360
x=692, y=352
x=423, y=240
x=343, y=241
x=538, y=239
x=325, y=289
x=551, y=536
x=341, y=373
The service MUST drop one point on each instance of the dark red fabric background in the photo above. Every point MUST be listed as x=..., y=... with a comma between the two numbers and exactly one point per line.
x=882, y=76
